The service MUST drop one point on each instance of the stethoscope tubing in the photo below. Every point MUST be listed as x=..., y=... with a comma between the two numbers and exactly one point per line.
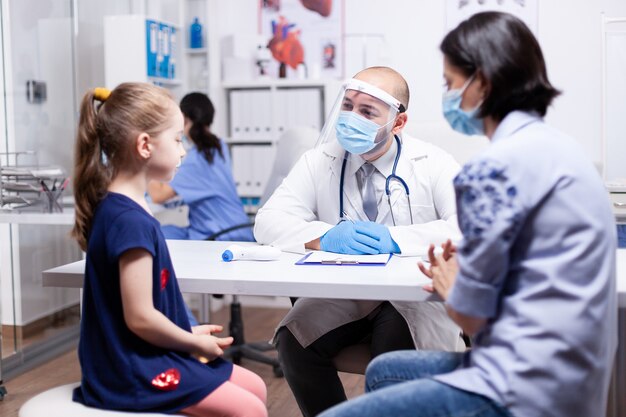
x=388, y=180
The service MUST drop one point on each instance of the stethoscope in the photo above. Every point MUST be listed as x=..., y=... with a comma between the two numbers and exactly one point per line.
x=390, y=178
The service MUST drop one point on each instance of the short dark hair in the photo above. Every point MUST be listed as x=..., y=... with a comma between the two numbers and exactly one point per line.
x=502, y=49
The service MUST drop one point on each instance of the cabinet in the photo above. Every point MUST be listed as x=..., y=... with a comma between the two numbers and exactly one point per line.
x=196, y=60
x=154, y=46
x=142, y=49
x=259, y=112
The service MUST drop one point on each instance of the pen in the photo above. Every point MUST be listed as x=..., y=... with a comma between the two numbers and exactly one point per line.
x=339, y=262
x=350, y=219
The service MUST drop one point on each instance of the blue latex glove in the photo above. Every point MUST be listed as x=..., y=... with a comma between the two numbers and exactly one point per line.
x=345, y=238
x=380, y=233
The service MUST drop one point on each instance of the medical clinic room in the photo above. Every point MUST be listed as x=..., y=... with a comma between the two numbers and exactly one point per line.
x=300, y=208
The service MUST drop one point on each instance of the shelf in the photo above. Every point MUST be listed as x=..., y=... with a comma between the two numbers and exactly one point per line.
x=195, y=51
x=165, y=81
x=15, y=217
x=276, y=83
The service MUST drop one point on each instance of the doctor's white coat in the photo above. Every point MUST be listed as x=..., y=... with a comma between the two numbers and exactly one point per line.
x=306, y=205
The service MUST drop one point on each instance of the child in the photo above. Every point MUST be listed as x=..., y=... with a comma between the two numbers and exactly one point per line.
x=137, y=350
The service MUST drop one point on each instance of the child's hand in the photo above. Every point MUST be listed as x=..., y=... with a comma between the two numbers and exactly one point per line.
x=211, y=347
x=206, y=329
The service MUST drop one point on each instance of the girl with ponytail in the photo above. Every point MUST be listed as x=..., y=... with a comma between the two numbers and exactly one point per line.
x=137, y=349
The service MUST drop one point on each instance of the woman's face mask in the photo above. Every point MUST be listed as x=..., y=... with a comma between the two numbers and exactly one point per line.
x=460, y=120
x=356, y=134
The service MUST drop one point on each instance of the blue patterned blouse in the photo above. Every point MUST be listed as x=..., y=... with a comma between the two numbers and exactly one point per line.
x=537, y=260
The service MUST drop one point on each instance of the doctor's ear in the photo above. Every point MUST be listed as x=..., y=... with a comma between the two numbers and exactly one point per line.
x=143, y=145
x=399, y=124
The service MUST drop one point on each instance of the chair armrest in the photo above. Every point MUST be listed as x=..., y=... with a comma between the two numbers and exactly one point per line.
x=215, y=235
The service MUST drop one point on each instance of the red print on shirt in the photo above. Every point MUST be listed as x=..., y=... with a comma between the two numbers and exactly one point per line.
x=165, y=277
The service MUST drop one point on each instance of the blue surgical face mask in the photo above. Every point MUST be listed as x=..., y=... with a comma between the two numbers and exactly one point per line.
x=460, y=120
x=355, y=133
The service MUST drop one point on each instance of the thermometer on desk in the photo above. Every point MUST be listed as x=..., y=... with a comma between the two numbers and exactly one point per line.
x=250, y=253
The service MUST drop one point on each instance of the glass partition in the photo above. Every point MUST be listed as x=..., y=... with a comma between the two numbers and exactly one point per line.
x=39, y=120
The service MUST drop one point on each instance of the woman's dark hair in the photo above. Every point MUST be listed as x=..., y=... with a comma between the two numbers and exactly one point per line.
x=502, y=49
x=198, y=108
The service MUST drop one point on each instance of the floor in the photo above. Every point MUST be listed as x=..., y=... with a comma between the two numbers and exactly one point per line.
x=15, y=339
x=259, y=325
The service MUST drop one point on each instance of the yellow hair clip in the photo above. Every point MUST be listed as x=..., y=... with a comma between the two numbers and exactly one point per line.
x=101, y=93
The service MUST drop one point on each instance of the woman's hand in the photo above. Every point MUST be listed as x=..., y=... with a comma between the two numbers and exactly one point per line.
x=443, y=269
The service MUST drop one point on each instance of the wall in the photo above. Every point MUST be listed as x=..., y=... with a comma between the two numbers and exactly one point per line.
x=569, y=33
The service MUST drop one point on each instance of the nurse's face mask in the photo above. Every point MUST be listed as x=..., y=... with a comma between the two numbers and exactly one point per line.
x=362, y=119
x=463, y=121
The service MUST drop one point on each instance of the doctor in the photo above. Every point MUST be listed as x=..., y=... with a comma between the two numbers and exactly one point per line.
x=366, y=188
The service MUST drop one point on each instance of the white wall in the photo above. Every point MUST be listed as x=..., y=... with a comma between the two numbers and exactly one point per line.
x=569, y=33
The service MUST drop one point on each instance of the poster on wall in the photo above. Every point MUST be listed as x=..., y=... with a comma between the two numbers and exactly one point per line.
x=304, y=37
x=459, y=10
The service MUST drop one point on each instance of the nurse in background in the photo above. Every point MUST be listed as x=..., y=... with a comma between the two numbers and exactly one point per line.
x=204, y=180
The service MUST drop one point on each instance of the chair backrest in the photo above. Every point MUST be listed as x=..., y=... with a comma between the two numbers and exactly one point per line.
x=291, y=145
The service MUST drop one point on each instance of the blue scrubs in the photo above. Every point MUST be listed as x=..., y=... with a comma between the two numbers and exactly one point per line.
x=121, y=371
x=209, y=191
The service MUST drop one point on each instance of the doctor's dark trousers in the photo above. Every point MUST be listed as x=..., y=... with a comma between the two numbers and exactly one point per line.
x=310, y=371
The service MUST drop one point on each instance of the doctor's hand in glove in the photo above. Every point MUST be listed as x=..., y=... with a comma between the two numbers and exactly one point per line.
x=350, y=239
x=381, y=233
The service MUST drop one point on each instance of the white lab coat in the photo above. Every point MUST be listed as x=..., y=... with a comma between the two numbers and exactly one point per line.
x=306, y=205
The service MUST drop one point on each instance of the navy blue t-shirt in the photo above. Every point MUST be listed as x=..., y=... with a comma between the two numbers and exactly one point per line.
x=121, y=371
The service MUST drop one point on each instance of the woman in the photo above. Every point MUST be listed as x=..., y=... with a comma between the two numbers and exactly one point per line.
x=532, y=280
x=204, y=180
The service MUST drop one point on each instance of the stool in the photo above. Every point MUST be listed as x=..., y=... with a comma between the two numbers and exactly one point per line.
x=57, y=402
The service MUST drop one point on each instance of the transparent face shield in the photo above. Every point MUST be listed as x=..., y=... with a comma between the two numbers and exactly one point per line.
x=361, y=119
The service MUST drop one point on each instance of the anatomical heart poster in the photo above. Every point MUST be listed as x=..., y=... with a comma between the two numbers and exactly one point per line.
x=305, y=37
x=459, y=10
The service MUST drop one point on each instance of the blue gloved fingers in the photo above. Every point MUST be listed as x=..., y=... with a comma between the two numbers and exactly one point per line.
x=365, y=239
x=371, y=229
x=361, y=249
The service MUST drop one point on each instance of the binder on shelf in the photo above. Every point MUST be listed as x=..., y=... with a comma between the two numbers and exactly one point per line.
x=236, y=115
x=152, y=47
x=165, y=50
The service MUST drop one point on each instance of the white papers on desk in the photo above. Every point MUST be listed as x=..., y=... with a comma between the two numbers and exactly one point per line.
x=321, y=257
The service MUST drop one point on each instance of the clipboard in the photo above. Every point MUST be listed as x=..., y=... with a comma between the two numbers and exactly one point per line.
x=338, y=259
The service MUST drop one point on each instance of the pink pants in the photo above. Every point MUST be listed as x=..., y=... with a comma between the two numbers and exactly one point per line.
x=243, y=395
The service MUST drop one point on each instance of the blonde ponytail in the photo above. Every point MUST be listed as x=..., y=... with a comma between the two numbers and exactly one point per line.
x=91, y=176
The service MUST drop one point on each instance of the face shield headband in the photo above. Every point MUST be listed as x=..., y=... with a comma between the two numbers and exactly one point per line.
x=361, y=118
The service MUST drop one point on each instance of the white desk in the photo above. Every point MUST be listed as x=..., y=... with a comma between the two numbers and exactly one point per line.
x=200, y=269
